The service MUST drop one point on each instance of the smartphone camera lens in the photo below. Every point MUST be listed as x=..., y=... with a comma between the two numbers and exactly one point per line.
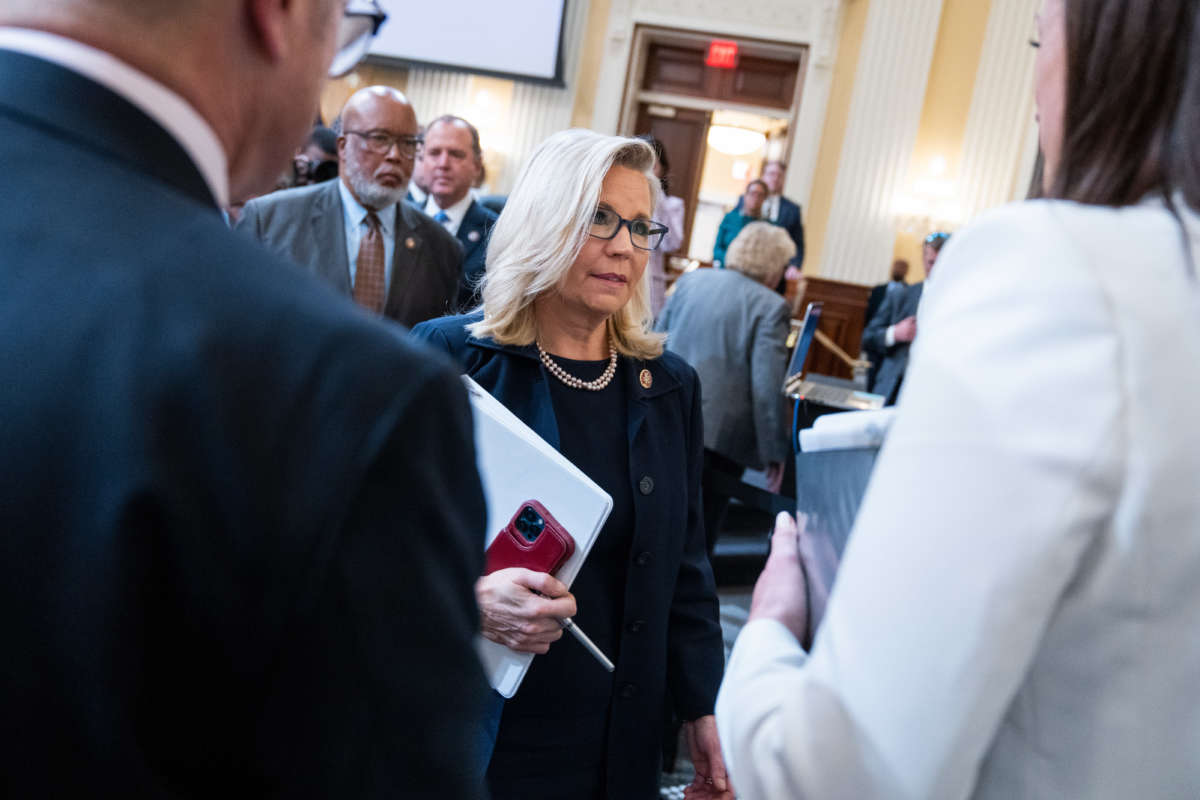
x=530, y=523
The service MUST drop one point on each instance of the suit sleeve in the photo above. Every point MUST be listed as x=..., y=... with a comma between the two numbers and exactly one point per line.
x=874, y=336
x=383, y=687
x=696, y=653
x=768, y=363
x=797, y=232
x=249, y=221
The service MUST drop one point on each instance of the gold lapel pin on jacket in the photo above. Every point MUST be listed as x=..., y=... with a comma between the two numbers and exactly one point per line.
x=646, y=379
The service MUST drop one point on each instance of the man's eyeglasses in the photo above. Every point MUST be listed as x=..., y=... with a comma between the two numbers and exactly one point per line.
x=380, y=142
x=644, y=234
x=357, y=30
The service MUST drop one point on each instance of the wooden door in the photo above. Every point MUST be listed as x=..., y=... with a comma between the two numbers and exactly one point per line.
x=683, y=133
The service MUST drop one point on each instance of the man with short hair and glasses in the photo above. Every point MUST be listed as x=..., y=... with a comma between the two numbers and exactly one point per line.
x=357, y=233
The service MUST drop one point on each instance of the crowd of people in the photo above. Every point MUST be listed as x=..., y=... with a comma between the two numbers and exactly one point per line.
x=243, y=531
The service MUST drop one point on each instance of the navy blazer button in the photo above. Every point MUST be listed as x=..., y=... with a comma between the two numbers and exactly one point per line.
x=628, y=690
x=643, y=558
x=646, y=485
x=636, y=626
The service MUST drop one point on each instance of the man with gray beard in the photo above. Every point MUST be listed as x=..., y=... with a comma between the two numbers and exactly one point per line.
x=356, y=232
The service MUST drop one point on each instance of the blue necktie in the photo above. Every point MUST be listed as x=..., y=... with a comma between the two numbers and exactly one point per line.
x=441, y=217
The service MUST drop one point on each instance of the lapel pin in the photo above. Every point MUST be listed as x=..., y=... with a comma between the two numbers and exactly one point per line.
x=647, y=380
x=410, y=243
x=473, y=236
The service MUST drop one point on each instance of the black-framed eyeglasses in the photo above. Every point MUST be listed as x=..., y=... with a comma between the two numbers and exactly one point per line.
x=380, y=142
x=644, y=234
x=356, y=31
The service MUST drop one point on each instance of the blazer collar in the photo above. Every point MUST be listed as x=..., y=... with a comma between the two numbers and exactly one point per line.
x=67, y=105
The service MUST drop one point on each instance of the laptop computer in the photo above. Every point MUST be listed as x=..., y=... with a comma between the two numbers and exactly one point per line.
x=833, y=395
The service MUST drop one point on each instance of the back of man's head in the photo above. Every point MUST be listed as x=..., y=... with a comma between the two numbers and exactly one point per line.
x=252, y=69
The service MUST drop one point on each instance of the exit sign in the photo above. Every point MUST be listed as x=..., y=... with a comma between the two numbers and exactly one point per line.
x=722, y=54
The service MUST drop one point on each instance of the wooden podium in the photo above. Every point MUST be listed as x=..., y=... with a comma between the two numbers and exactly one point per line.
x=842, y=320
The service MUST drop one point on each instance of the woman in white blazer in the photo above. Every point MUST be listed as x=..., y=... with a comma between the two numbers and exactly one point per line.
x=1017, y=614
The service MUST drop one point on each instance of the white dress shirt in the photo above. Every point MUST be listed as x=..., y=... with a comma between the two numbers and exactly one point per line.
x=770, y=208
x=455, y=213
x=176, y=116
x=1016, y=613
x=354, y=216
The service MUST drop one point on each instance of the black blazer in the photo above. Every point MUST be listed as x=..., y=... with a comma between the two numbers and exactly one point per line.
x=672, y=637
x=473, y=235
x=893, y=360
x=306, y=225
x=874, y=301
x=240, y=519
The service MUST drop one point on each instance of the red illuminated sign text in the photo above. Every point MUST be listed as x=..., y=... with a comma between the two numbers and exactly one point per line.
x=722, y=54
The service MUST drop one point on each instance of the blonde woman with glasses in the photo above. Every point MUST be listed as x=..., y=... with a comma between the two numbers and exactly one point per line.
x=562, y=339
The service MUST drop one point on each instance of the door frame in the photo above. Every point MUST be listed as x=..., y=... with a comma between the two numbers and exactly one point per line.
x=646, y=35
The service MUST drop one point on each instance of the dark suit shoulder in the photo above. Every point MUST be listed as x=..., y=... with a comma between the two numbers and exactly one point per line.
x=447, y=333
x=421, y=223
x=284, y=200
x=674, y=365
x=478, y=214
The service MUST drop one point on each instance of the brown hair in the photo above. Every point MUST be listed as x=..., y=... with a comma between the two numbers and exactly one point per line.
x=1131, y=124
x=450, y=119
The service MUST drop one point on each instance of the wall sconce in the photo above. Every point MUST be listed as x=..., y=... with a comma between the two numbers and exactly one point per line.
x=931, y=202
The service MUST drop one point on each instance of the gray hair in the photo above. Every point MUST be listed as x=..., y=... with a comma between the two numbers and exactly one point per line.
x=761, y=251
x=544, y=226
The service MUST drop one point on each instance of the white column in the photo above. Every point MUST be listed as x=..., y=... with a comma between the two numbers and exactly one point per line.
x=1001, y=111
x=885, y=113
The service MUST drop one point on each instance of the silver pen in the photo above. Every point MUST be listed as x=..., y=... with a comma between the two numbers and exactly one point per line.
x=569, y=625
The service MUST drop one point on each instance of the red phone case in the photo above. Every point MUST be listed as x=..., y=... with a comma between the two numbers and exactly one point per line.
x=545, y=554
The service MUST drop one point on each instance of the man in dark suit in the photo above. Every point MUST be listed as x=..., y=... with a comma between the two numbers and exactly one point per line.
x=355, y=232
x=782, y=211
x=240, y=521
x=874, y=301
x=453, y=163
x=894, y=327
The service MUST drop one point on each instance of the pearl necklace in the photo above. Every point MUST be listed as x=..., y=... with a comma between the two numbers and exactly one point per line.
x=575, y=383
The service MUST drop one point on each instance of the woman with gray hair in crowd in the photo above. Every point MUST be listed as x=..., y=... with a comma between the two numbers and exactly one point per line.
x=732, y=327
x=563, y=341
